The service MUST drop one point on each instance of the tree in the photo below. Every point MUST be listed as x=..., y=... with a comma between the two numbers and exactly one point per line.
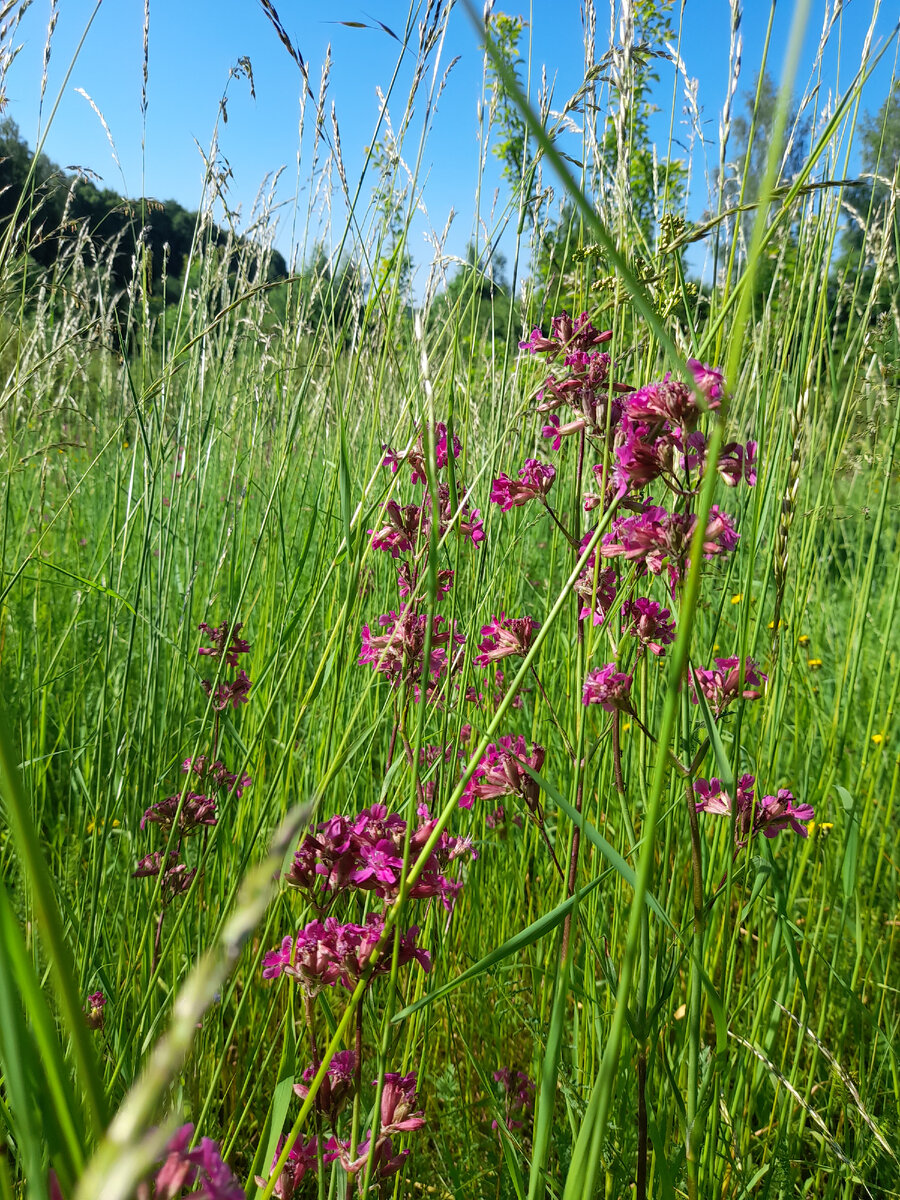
x=871, y=237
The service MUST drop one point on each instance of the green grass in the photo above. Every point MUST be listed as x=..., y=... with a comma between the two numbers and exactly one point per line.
x=227, y=467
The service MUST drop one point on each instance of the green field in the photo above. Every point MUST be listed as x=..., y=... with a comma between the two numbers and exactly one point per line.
x=623, y=982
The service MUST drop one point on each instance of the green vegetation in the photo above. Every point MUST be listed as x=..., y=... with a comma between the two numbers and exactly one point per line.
x=627, y=996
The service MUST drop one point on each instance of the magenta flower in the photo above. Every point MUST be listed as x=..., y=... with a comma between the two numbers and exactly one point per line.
x=671, y=400
x=225, y=642
x=501, y=772
x=337, y=1086
x=398, y=1100
x=402, y=527
x=384, y=1161
x=536, y=480
x=201, y=1169
x=398, y=653
x=643, y=455
x=326, y=953
x=234, y=693
x=518, y=1097
x=607, y=687
x=302, y=1160
x=738, y=462
x=96, y=1003
x=769, y=817
x=218, y=773
x=197, y=811
x=408, y=581
x=601, y=592
x=722, y=684
x=650, y=623
x=505, y=636
x=416, y=455
x=708, y=380
x=566, y=334
x=656, y=539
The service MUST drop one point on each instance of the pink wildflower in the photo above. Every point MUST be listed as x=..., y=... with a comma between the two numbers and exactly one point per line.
x=722, y=684
x=505, y=636
x=607, y=687
x=536, y=480
x=650, y=623
x=501, y=772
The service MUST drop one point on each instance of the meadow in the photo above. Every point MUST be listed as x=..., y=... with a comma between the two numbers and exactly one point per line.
x=448, y=742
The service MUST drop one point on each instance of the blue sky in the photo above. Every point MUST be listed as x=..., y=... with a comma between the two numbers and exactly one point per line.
x=194, y=43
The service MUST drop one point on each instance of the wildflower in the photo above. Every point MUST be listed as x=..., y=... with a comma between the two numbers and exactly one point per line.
x=218, y=773
x=402, y=528
x=203, y=1166
x=337, y=1086
x=302, y=1159
x=408, y=580
x=501, y=772
x=536, y=480
x=324, y=954
x=803, y=639
x=671, y=400
x=518, y=1089
x=737, y=598
x=737, y=462
x=176, y=878
x=416, y=455
x=96, y=1002
x=814, y=664
x=196, y=811
x=650, y=624
x=723, y=684
x=656, y=539
x=566, y=334
x=384, y=1161
x=399, y=652
x=769, y=816
x=877, y=738
x=709, y=381
x=505, y=636
x=598, y=591
x=225, y=642
x=234, y=692
x=607, y=687
x=398, y=1099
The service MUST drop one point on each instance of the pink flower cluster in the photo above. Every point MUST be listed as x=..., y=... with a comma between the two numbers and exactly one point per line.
x=768, y=816
x=518, y=1097
x=337, y=1086
x=535, y=479
x=609, y=688
x=398, y=653
x=366, y=853
x=504, y=637
x=656, y=539
x=722, y=684
x=329, y=952
x=414, y=458
x=501, y=772
x=96, y=1003
x=201, y=1169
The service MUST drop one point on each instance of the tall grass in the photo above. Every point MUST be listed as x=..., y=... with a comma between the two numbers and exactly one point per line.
x=223, y=463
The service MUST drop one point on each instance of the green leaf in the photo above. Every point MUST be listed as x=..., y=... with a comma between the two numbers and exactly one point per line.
x=612, y=856
x=543, y=1119
x=526, y=937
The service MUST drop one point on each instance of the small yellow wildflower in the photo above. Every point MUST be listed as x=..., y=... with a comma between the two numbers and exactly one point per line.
x=715, y=647
x=736, y=599
x=820, y=829
x=626, y=726
x=814, y=663
x=803, y=639
x=92, y=825
x=780, y=624
x=877, y=738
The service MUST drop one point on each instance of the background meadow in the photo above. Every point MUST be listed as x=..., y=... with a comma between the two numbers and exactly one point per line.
x=621, y=998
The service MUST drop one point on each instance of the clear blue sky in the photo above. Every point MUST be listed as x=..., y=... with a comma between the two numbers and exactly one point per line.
x=194, y=43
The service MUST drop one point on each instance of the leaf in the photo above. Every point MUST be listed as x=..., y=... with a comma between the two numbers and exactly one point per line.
x=612, y=856
x=525, y=937
x=543, y=1120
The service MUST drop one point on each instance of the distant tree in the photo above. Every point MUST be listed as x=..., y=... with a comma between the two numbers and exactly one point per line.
x=871, y=237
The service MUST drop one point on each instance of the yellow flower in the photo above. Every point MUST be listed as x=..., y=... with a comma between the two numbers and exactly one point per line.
x=92, y=825
x=736, y=599
x=820, y=829
x=877, y=738
x=814, y=663
x=803, y=639
x=780, y=624
x=626, y=726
